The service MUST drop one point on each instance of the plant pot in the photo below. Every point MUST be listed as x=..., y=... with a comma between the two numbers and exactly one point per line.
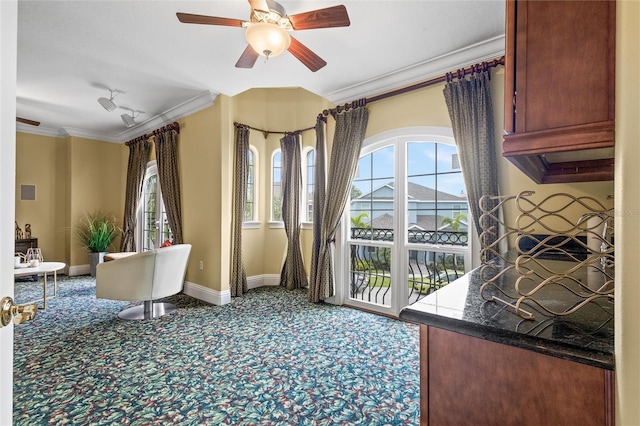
x=95, y=257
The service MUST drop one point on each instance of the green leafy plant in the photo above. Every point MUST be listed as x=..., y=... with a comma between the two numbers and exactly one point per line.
x=360, y=221
x=97, y=231
x=455, y=222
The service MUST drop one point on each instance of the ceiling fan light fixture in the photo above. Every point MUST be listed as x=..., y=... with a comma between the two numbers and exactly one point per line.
x=267, y=39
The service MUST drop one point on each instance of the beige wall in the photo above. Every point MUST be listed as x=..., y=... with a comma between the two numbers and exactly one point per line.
x=205, y=164
x=41, y=161
x=72, y=176
x=276, y=110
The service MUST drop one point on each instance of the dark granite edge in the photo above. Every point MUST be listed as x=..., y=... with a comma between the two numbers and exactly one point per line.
x=533, y=343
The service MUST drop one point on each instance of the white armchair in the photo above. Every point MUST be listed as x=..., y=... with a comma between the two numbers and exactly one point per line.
x=145, y=276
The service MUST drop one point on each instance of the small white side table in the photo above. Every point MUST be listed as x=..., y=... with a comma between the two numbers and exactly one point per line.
x=44, y=269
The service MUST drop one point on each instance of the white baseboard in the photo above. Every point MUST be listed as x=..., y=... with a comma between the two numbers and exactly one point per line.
x=263, y=280
x=220, y=298
x=78, y=270
x=207, y=294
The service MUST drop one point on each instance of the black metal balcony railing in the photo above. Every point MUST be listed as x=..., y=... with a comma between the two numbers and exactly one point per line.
x=456, y=238
x=428, y=271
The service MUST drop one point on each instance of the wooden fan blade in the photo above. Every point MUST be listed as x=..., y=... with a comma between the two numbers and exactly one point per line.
x=259, y=5
x=188, y=18
x=335, y=16
x=27, y=121
x=306, y=56
x=248, y=58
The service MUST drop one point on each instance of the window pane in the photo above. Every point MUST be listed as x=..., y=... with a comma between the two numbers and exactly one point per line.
x=372, y=197
x=311, y=167
x=276, y=189
x=421, y=158
x=447, y=158
x=249, y=202
x=437, y=204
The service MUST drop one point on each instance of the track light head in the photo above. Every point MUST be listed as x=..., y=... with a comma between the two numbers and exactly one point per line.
x=129, y=120
x=108, y=104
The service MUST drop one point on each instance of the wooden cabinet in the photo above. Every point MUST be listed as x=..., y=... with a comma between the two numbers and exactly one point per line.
x=467, y=380
x=559, y=89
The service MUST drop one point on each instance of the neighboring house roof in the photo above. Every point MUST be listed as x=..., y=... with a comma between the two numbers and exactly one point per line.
x=415, y=191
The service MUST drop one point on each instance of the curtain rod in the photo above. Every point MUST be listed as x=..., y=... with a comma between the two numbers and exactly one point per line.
x=173, y=126
x=266, y=133
x=460, y=73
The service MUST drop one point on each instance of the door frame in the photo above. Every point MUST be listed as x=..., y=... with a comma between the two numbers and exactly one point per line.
x=8, y=52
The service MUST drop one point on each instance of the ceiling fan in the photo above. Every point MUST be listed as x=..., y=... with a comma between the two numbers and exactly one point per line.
x=268, y=30
x=27, y=121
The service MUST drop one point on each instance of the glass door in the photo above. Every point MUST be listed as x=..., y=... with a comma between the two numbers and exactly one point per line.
x=153, y=226
x=408, y=223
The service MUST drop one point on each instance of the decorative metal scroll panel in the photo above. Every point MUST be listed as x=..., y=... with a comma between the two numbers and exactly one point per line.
x=534, y=276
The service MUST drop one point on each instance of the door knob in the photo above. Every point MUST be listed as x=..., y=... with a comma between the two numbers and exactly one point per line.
x=19, y=313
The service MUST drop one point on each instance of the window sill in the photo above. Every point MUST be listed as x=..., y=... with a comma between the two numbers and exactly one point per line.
x=251, y=225
x=306, y=225
x=276, y=225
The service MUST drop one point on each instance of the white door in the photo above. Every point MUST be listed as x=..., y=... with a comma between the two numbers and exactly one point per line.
x=8, y=46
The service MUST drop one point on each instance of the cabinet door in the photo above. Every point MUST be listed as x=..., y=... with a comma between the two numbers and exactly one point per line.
x=467, y=380
x=559, y=89
x=564, y=72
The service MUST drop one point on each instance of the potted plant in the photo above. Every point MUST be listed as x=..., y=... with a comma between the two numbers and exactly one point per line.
x=97, y=231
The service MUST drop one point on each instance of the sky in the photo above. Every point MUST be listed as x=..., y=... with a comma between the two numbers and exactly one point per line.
x=424, y=161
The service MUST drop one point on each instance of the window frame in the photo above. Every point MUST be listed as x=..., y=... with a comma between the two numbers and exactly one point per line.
x=342, y=264
x=275, y=223
x=160, y=213
x=305, y=202
x=254, y=223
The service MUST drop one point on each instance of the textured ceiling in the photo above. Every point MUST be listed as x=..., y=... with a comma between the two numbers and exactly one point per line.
x=71, y=52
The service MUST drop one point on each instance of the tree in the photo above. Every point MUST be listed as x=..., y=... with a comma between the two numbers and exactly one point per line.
x=360, y=220
x=455, y=222
x=355, y=192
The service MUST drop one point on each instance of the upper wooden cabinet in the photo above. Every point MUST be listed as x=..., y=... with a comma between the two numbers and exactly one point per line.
x=559, y=89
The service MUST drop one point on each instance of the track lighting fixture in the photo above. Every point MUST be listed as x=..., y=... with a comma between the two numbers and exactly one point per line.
x=108, y=103
x=129, y=120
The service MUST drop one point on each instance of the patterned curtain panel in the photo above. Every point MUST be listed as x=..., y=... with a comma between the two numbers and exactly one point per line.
x=238, y=284
x=293, y=274
x=138, y=157
x=318, y=205
x=351, y=126
x=169, y=177
x=471, y=113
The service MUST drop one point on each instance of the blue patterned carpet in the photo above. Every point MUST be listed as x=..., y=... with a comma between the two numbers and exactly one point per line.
x=267, y=358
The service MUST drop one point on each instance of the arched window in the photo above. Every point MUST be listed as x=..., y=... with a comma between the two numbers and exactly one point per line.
x=276, y=186
x=250, y=201
x=309, y=167
x=153, y=225
x=408, y=219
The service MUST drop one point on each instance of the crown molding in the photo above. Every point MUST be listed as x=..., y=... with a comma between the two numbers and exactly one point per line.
x=39, y=130
x=482, y=51
x=193, y=105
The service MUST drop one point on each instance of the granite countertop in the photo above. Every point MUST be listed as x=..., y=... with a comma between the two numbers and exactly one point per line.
x=585, y=336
